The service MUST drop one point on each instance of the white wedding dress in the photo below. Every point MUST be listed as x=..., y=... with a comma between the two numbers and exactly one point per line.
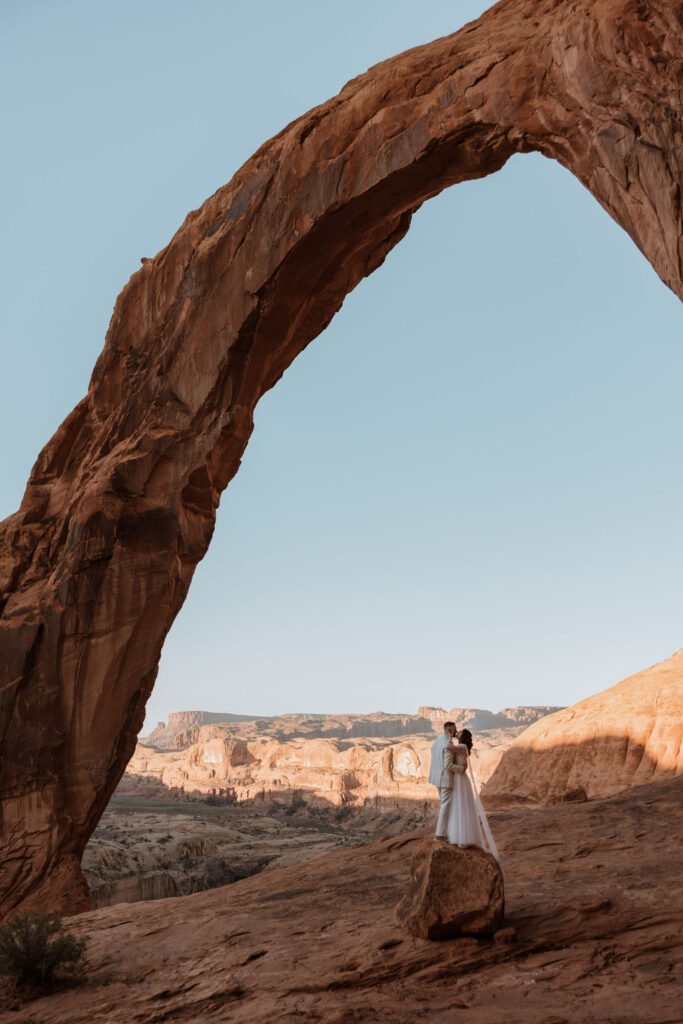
x=467, y=823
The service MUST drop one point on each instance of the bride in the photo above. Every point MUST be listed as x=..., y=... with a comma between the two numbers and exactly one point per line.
x=467, y=822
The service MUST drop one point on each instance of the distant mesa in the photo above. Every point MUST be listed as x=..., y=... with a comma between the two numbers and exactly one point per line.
x=479, y=720
x=183, y=727
x=625, y=736
x=166, y=735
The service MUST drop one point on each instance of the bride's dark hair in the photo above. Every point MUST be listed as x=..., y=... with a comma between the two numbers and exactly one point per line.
x=466, y=738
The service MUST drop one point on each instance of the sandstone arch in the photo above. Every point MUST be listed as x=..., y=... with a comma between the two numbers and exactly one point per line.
x=121, y=502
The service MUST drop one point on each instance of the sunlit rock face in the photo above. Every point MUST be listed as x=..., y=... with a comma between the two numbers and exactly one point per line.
x=180, y=723
x=183, y=727
x=625, y=736
x=120, y=506
x=337, y=772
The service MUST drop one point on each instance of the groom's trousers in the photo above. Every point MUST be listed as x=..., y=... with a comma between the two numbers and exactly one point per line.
x=446, y=798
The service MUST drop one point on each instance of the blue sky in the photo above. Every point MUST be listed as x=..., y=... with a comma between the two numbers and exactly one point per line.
x=467, y=491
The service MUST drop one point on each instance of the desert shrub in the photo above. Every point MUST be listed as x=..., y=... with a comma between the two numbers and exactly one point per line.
x=35, y=949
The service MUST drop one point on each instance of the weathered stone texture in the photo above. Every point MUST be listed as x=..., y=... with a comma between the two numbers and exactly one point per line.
x=625, y=736
x=452, y=892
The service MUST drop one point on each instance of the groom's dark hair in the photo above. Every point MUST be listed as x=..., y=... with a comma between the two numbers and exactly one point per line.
x=449, y=725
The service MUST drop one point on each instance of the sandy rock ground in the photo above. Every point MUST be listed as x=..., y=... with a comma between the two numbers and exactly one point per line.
x=593, y=894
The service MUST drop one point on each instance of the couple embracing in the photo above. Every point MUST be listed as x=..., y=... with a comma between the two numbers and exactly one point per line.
x=462, y=820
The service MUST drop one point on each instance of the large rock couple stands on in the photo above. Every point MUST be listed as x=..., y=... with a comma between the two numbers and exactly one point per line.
x=121, y=503
x=453, y=891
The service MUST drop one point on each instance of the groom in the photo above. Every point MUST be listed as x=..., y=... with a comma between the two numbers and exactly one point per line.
x=441, y=776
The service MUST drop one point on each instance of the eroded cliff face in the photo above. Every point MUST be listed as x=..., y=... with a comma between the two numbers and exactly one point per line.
x=333, y=772
x=625, y=736
x=184, y=727
x=120, y=505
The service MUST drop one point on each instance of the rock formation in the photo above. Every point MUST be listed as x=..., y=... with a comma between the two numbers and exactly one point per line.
x=478, y=719
x=625, y=736
x=594, y=910
x=452, y=892
x=183, y=727
x=236, y=762
x=121, y=503
x=165, y=734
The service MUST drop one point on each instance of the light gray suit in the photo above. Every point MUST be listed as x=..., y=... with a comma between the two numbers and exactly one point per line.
x=449, y=768
x=436, y=765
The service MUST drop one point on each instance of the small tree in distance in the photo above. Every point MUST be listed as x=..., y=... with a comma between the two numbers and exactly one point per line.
x=34, y=949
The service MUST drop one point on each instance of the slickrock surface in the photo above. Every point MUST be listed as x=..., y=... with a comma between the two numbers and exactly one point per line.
x=622, y=737
x=120, y=505
x=452, y=892
x=593, y=893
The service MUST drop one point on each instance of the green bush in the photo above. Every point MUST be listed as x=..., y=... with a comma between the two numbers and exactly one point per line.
x=34, y=949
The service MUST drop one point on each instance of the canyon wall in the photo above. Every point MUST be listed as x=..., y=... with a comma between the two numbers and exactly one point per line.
x=336, y=772
x=121, y=503
x=184, y=727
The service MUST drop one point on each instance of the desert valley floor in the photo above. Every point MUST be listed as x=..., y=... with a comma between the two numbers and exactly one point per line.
x=593, y=933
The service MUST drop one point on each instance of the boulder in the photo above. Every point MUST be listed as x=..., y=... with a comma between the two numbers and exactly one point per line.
x=453, y=891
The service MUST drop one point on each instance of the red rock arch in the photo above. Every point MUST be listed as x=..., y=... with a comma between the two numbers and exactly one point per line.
x=120, y=505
